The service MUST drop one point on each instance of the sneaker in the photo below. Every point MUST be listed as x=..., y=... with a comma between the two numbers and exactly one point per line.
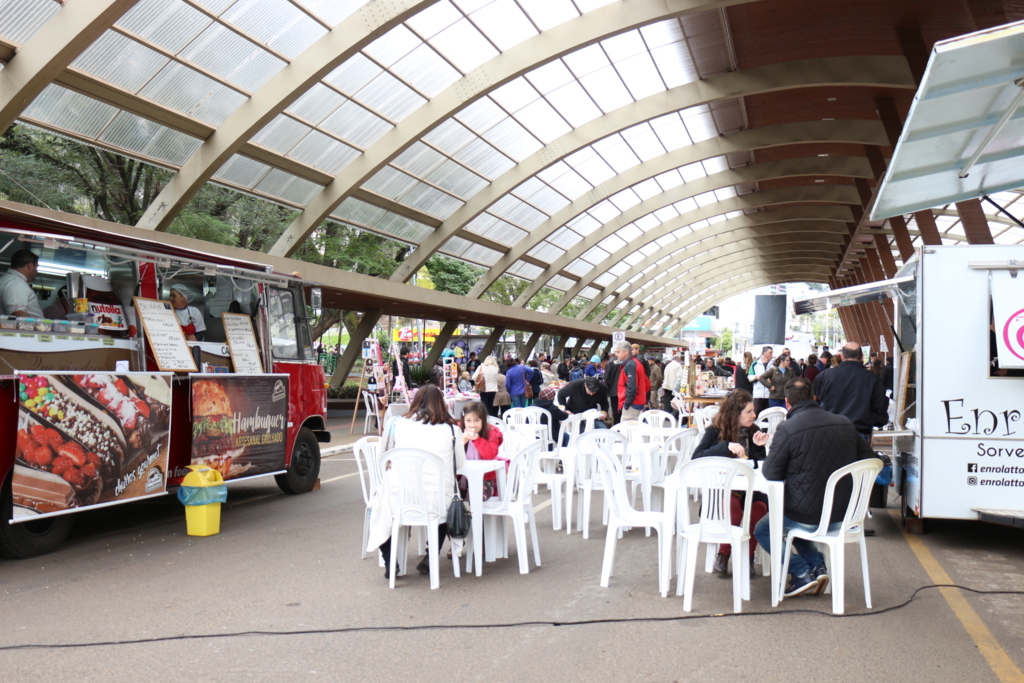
x=820, y=573
x=424, y=566
x=800, y=584
x=721, y=565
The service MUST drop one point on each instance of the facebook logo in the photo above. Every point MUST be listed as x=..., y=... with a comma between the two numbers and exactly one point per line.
x=972, y=467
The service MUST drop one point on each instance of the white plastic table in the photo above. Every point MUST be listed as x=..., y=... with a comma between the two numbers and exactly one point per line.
x=474, y=471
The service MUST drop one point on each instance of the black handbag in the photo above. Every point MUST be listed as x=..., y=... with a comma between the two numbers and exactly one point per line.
x=460, y=519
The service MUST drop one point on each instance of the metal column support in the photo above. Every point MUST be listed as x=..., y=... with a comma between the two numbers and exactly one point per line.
x=354, y=348
x=440, y=341
x=491, y=342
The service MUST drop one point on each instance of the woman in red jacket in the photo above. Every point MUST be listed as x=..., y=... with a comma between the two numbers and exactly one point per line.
x=482, y=441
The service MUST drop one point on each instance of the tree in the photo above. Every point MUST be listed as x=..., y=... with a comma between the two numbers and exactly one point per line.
x=451, y=275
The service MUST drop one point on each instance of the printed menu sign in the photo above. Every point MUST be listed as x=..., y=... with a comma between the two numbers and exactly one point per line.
x=239, y=424
x=245, y=355
x=89, y=439
x=165, y=337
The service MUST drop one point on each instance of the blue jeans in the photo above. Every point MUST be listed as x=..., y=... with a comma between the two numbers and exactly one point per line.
x=776, y=403
x=598, y=424
x=519, y=401
x=809, y=555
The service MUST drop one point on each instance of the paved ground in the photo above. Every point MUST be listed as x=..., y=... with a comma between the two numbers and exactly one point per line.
x=291, y=563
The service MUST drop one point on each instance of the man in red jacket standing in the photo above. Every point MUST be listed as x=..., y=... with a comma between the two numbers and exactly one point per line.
x=634, y=387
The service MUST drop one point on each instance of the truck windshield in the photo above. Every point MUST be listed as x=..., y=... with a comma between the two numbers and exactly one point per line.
x=284, y=340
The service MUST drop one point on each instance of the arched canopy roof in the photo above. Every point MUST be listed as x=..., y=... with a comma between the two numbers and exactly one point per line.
x=631, y=154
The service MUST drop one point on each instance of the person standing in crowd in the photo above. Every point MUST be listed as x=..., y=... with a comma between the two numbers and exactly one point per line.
x=576, y=372
x=611, y=383
x=634, y=387
x=855, y=392
x=536, y=379
x=591, y=369
x=811, y=371
x=758, y=368
x=671, y=383
x=887, y=376
x=502, y=399
x=823, y=360
x=400, y=367
x=714, y=368
x=547, y=377
x=516, y=379
x=634, y=351
x=740, y=378
x=657, y=378
x=733, y=434
x=775, y=379
x=16, y=294
x=562, y=370
x=489, y=372
x=472, y=364
x=807, y=448
x=427, y=426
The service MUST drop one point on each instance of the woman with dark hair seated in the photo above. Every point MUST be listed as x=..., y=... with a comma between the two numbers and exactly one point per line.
x=427, y=426
x=733, y=434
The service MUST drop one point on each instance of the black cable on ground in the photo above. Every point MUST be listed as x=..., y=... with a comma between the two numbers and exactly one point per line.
x=517, y=624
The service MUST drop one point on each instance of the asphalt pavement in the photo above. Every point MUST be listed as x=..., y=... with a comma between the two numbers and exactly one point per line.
x=281, y=594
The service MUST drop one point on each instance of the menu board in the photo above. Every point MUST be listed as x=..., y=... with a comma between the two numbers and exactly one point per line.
x=89, y=439
x=239, y=424
x=165, y=337
x=245, y=355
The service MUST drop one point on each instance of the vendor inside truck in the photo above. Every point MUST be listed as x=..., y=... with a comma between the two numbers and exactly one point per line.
x=16, y=294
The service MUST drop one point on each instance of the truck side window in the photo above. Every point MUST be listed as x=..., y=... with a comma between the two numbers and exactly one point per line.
x=283, y=337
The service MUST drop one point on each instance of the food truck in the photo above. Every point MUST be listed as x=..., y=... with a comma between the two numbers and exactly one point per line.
x=958, y=309
x=107, y=399
x=958, y=382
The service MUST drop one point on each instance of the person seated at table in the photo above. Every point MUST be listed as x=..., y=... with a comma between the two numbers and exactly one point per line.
x=465, y=384
x=481, y=441
x=733, y=434
x=807, y=448
x=546, y=401
x=427, y=426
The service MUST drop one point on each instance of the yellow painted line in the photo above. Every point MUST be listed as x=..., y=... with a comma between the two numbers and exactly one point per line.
x=1000, y=662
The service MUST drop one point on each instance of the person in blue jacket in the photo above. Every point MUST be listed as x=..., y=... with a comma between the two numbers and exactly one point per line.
x=516, y=378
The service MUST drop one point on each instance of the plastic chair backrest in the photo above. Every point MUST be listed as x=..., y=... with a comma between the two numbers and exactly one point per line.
x=540, y=416
x=516, y=416
x=367, y=452
x=631, y=430
x=497, y=422
x=587, y=445
x=863, y=473
x=711, y=410
x=681, y=445
x=658, y=419
x=715, y=477
x=770, y=419
x=402, y=476
x=370, y=403
x=613, y=479
x=576, y=425
x=522, y=471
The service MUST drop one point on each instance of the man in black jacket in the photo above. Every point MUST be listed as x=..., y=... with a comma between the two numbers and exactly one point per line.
x=807, y=448
x=852, y=390
x=580, y=395
x=611, y=383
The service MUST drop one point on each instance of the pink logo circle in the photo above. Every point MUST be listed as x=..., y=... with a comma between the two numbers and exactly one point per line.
x=1016, y=335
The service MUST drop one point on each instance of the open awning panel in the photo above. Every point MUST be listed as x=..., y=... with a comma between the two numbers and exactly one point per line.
x=858, y=294
x=967, y=119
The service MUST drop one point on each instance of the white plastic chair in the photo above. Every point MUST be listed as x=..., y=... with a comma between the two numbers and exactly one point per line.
x=587, y=478
x=712, y=410
x=516, y=503
x=370, y=403
x=542, y=417
x=403, y=472
x=716, y=479
x=497, y=422
x=392, y=411
x=367, y=452
x=771, y=418
x=621, y=515
x=851, y=529
x=675, y=453
x=659, y=419
x=564, y=455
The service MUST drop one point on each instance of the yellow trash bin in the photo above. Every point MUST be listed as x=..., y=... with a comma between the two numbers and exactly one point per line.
x=202, y=519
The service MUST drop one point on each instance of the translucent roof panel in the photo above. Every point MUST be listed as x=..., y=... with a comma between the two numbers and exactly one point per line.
x=20, y=19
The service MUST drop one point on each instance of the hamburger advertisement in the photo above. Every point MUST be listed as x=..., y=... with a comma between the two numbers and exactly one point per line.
x=239, y=424
x=89, y=439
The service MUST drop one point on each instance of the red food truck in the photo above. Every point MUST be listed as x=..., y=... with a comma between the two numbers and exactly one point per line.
x=147, y=358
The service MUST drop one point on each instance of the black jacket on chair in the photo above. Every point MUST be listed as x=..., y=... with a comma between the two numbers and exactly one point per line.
x=807, y=448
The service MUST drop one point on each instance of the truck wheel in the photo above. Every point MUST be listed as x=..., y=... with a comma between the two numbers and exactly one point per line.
x=305, y=466
x=28, y=539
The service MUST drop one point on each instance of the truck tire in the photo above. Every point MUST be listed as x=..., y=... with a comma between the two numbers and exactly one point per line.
x=304, y=469
x=28, y=539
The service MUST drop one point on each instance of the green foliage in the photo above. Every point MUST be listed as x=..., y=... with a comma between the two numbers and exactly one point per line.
x=451, y=275
x=724, y=342
x=574, y=307
x=346, y=390
x=419, y=374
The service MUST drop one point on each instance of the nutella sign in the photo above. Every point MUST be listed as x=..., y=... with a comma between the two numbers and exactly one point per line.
x=109, y=316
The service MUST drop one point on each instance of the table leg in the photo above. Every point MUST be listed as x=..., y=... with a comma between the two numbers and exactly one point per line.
x=775, y=517
x=476, y=505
